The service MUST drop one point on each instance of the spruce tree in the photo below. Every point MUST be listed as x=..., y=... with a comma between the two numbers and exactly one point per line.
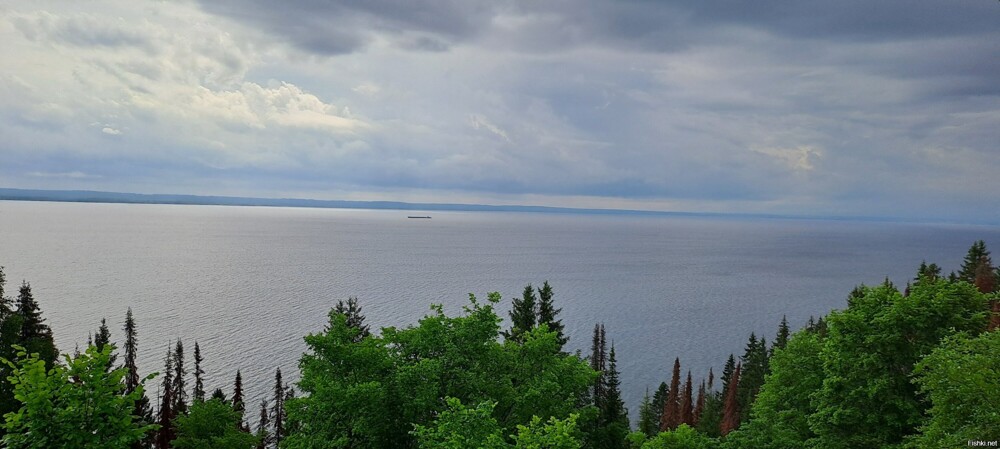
x=731, y=407
x=6, y=305
x=613, y=413
x=166, y=413
x=263, y=423
x=142, y=410
x=782, y=338
x=355, y=319
x=659, y=399
x=278, y=410
x=102, y=338
x=727, y=373
x=218, y=394
x=687, y=402
x=523, y=314
x=976, y=255
x=598, y=363
x=754, y=368
x=647, y=418
x=34, y=335
x=699, y=405
x=198, y=395
x=238, y=397
x=547, y=313
x=672, y=407
x=179, y=390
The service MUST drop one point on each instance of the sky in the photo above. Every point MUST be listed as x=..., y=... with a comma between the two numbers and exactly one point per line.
x=846, y=108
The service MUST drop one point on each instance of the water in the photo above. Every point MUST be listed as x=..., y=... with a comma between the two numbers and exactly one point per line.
x=247, y=283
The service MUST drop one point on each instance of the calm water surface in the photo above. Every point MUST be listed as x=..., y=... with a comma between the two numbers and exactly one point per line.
x=247, y=283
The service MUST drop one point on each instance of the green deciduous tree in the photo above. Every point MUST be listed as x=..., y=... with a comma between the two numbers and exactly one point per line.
x=961, y=378
x=370, y=393
x=683, y=437
x=79, y=405
x=211, y=424
x=867, y=400
x=779, y=416
x=460, y=426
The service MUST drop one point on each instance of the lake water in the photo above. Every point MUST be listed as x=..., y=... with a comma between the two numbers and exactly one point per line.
x=249, y=282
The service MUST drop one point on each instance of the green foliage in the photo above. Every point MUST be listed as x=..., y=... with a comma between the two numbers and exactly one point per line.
x=867, y=400
x=369, y=393
x=547, y=312
x=352, y=311
x=460, y=427
x=77, y=406
x=648, y=422
x=211, y=424
x=683, y=437
x=961, y=378
x=754, y=366
x=779, y=416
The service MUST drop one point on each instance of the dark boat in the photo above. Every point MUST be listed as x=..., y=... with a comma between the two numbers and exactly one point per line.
x=418, y=216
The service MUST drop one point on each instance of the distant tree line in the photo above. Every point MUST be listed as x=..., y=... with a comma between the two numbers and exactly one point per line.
x=915, y=368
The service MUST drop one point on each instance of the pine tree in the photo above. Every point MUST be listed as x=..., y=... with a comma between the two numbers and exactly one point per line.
x=238, y=396
x=731, y=414
x=355, y=319
x=727, y=373
x=179, y=389
x=687, y=402
x=523, y=314
x=278, y=410
x=166, y=414
x=199, y=387
x=547, y=313
x=672, y=407
x=263, y=423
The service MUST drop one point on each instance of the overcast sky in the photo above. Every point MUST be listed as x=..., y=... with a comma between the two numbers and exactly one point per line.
x=849, y=107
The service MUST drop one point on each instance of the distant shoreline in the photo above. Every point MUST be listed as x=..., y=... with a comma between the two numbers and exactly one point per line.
x=91, y=196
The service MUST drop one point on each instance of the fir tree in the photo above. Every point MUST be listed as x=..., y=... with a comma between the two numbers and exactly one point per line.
x=687, y=403
x=782, y=338
x=179, y=389
x=263, y=423
x=648, y=424
x=355, y=319
x=220, y=395
x=754, y=368
x=672, y=407
x=278, y=410
x=142, y=410
x=977, y=255
x=547, y=313
x=614, y=416
x=985, y=279
x=102, y=338
x=598, y=363
x=699, y=406
x=523, y=314
x=166, y=413
x=727, y=373
x=238, y=396
x=32, y=324
x=6, y=305
x=731, y=409
x=659, y=399
x=198, y=395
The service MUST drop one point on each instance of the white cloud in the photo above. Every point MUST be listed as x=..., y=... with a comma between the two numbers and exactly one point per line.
x=480, y=122
x=799, y=159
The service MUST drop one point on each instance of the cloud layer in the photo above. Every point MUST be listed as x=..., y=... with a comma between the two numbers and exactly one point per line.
x=848, y=108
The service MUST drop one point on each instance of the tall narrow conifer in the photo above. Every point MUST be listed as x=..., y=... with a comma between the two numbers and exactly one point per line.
x=547, y=312
x=166, y=413
x=687, y=402
x=523, y=314
x=731, y=409
x=263, y=424
x=278, y=410
x=179, y=389
x=647, y=418
x=198, y=395
x=238, y=396
x=142, y=410
x=672, y=407
x=699, y=405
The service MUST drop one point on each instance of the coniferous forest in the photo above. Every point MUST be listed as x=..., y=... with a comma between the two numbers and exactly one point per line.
x=899, y=366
